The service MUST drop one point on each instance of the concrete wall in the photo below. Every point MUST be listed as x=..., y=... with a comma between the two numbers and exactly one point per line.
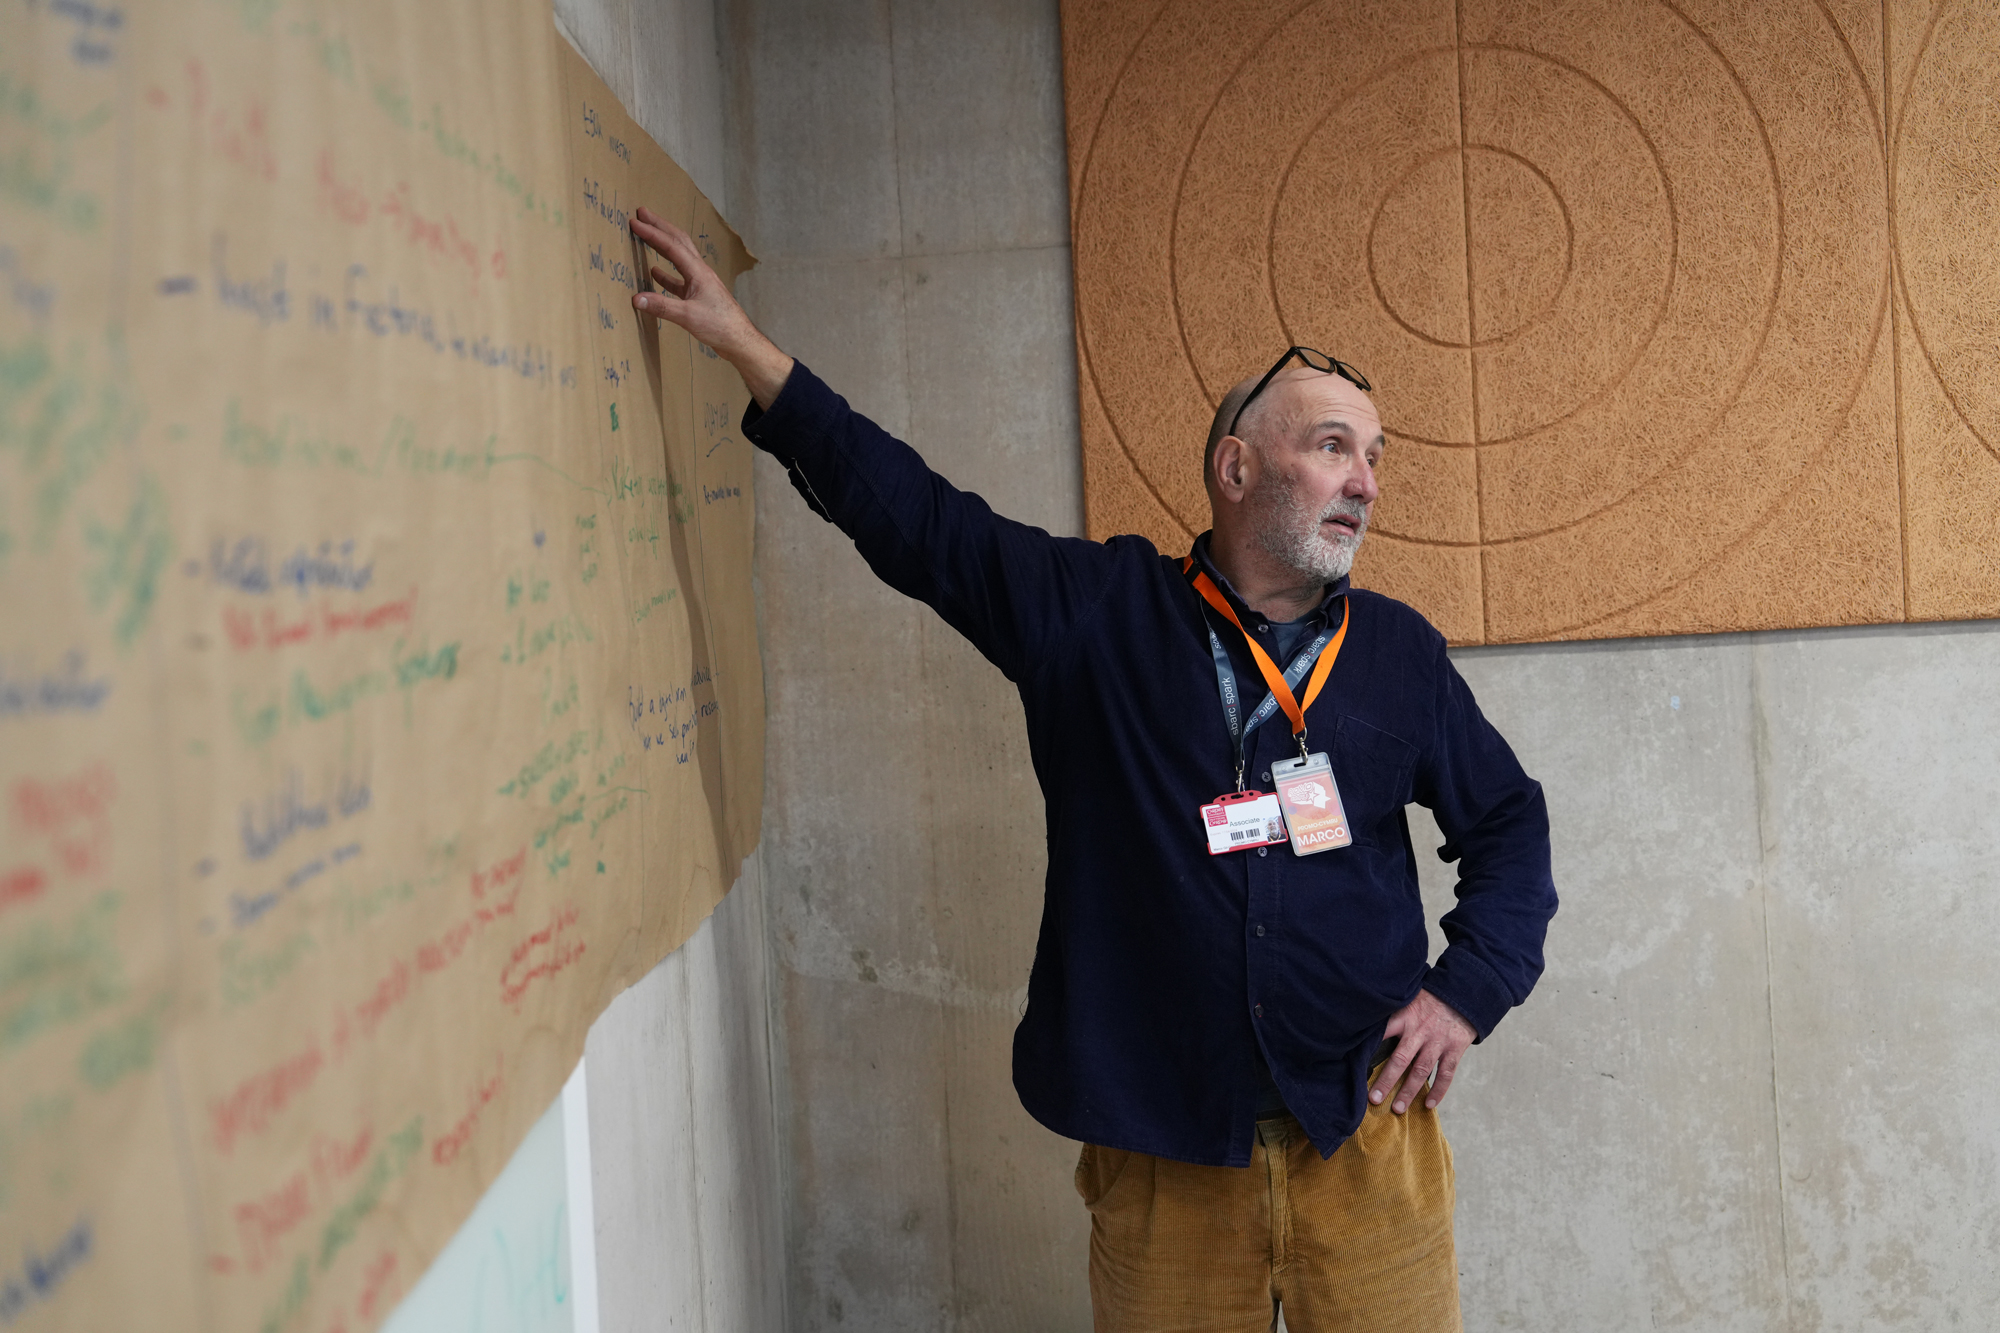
x=1754, y=1089
x=683, y=1139
x=899, y=172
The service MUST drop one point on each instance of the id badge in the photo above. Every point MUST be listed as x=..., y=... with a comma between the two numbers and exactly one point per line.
x=1311, y=802
x=1242, y=819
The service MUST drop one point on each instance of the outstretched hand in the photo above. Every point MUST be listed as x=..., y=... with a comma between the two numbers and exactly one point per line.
x=1430, y=1038
x=697, y=300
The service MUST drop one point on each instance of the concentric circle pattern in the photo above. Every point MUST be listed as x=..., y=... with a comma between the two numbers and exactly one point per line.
x=1622, y=274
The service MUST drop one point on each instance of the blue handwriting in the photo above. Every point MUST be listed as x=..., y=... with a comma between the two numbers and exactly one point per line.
x=287, y=812
x=246, y=567
x=41, y=1274
x=67, y=689
x=265, y=297
x=37, y=298
x=670, y=715
x=606, y=208
x=247, y=909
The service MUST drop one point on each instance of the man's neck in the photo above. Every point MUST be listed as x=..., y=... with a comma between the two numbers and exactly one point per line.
x=1270, y=588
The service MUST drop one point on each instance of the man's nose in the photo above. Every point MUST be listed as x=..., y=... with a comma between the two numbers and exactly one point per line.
x=1361, y=483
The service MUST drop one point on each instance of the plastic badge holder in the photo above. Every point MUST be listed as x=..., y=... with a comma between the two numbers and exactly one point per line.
x=1311, y=802
x=1243, y=819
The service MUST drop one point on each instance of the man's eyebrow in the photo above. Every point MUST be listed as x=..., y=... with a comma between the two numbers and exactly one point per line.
x=1335, y=423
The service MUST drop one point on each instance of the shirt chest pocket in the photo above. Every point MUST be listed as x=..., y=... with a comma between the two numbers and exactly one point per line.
x=1374, y=770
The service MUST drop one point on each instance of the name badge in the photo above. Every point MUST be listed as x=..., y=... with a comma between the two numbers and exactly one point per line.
x=1242, y=819
x=1311, y=802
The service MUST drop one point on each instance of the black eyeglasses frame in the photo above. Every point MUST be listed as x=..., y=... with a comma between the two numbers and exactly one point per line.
x=1334, y=366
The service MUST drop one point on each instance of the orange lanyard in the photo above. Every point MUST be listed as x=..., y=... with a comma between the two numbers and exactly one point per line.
x=1273, y=677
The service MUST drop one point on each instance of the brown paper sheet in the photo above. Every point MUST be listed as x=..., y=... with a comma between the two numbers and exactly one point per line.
x=379, y=686
x=1681, y=317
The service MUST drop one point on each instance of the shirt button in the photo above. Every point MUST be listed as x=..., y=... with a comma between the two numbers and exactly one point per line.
x=1260, y=932
x=1263, y=851
x=1265, y=775
x=1257, y=1009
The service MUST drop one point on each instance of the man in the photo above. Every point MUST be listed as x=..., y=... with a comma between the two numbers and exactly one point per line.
x=1208, y=1005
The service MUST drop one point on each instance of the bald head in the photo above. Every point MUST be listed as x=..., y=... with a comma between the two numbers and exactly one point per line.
x=1275, y=398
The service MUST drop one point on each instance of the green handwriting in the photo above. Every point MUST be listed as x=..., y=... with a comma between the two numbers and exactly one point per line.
x=290, y=1301
x=43, y=187
x=388, y=1164
x=49, y=977
x=124, y=1048
x=561, y=822
x=63, y=425
x=254, y=15
x=358, y=907
x=547, y=759
x=128, y=560
x=529, y=645
x=248, y=976
x=314, y=704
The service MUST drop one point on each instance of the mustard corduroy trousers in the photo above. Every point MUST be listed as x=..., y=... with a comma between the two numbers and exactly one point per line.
x=1358, y=1241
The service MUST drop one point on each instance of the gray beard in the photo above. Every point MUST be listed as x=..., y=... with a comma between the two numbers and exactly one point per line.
x=1291, y=534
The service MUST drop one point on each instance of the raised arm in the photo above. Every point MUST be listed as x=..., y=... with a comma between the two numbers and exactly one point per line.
x=700, y=302
x=1012, y=589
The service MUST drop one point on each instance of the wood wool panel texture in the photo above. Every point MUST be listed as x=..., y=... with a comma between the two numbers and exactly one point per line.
x=1682, y=318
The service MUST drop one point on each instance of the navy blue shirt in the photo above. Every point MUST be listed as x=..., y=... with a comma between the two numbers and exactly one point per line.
x=1161, y=972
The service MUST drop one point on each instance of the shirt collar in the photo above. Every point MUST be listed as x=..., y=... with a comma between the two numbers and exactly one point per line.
x=1253, y=619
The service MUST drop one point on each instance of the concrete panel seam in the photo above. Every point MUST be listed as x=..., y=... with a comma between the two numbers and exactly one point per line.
x=1760, y=767
x=700, y=1294
x=779, y=1157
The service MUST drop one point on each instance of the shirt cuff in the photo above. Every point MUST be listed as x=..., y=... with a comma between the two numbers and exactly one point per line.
x=796, y=416
x=1472, y=988
x=798, y=420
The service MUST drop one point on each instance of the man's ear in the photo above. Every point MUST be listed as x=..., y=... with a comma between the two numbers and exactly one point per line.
x=1233, y=468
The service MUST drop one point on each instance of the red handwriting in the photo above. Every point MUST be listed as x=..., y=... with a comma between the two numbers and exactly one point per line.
x=257, y=1099
x=266, y=628
x=343, y=1034
x=262, y=1223
x=344, y=201
x=241, y=136
x=542, y=954
x=376, y=1285
x=74, y=813
x=438, y=237
x=333, y=1160
x=398, y=612
x=451, y=1144
x=50, y=807
x=390, y=991
x=23, y=884
x=435, y=955
x=501, y=873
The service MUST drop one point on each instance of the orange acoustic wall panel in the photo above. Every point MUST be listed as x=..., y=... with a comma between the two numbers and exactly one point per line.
x=1682, y=317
